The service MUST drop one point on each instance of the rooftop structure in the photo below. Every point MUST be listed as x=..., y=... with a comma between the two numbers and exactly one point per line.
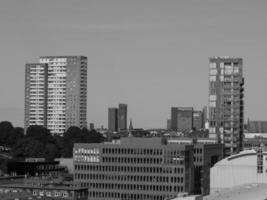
x=253, y=191
x=249, y=166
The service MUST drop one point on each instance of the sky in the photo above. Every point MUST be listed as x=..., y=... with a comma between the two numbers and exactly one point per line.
x=150, y=54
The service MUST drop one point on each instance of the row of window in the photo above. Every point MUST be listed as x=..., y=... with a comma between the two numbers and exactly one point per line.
x=129, y=169
x=127, y=178
x=127, y=196
x=138, y=187
x=132, y=151
x=132, y=160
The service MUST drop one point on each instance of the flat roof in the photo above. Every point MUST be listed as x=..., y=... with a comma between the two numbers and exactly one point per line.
x=254, y=191
x=46, y=187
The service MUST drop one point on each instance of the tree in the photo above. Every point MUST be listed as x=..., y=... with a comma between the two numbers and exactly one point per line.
x=5, y=129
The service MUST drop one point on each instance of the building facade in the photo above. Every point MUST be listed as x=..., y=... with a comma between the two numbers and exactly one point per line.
x=246, y=167
x=257, y=126
x=36, y=83
x=113, y=119
x=182, y=118
x=134, y=168
x=63, y=80
x=122, y=117
x=198, y=120
x=226, y=104
x=206, y=154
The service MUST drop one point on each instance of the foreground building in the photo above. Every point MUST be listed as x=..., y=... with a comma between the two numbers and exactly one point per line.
x=34, y=167
x=226, y=104
x=206, y=154
x=56, y=93
x=247, y=167
x=134, y=168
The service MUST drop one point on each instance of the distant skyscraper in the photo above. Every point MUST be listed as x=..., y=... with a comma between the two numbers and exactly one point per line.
x=226, y=105
x=113, y=119
x=198, y=120
x=92, y=126
x=65, y=92
x=122, y=117
x=181, y=118
x=257, y=126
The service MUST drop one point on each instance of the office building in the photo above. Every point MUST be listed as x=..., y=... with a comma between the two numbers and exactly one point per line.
x=226, y=105
x=122, y=117
x=182, y=119
x=206, y=154
x=134, y=168
x=113, y=119
x=257, y=126
x=56, y=93
x=198, y=120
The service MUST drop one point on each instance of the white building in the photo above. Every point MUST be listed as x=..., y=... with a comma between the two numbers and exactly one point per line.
x=56, y=93
x=247, y=167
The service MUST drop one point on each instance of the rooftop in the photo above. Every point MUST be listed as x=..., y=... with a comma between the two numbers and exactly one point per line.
x=244, y=192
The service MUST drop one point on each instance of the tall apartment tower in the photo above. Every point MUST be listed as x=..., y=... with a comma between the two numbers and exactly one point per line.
x=36, y=83
x=113, y=119
x=226, y=104
x=122, y=117
x=65, y=92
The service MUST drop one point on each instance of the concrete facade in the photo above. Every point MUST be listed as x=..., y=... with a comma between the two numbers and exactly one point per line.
x=249, y=166
x=134, y=168
x=226, y=104
x=56, y=93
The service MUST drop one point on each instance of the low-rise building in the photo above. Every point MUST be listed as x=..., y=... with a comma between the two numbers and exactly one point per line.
x=34, y=167
x=206, y=154
x=37, y=188
x=249, y=166
x=134, y=168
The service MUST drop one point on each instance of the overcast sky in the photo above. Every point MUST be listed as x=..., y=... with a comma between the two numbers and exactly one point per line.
x=150, y=54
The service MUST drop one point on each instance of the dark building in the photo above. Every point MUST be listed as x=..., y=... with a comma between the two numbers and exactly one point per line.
x=226, y=104
x=92, y=126
x=182, y=119
x=206, y=154
x=134, y=168
x=47, y=189
x=198, y=120
x=34, y=168
x=122, y=117
x=113, y=119
x=257, y=126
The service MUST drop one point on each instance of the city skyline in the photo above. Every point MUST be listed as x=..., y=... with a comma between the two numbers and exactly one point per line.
x=135, y=55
